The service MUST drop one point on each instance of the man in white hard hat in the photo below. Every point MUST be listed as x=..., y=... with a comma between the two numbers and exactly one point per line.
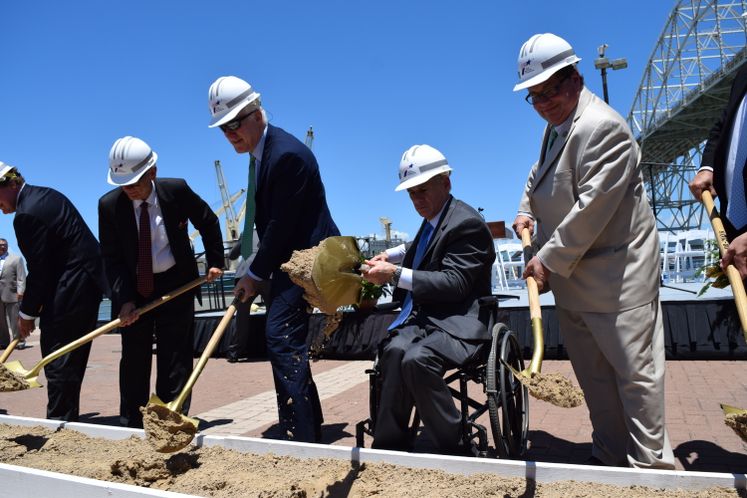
x=439, y=279
x=64, y=285
x=723, y=173
x=12, y=284
x=287, y=202
x=599, y=253
x=143, y=228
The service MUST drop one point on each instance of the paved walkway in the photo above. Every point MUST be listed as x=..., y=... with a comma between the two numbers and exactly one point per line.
x=238, y=399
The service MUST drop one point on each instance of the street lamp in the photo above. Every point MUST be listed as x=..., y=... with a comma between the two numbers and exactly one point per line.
x=602, y=63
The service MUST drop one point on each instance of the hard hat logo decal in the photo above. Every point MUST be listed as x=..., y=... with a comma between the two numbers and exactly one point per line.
x=526, y=67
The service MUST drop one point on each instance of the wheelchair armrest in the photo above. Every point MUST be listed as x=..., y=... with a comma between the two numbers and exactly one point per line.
x=504, y=297
x=388, y=306
x=487, y=301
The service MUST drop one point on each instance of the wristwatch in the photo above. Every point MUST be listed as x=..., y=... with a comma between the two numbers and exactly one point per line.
x=395, y=276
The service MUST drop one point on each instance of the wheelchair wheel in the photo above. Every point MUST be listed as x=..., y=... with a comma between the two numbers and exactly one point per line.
x=507, y=397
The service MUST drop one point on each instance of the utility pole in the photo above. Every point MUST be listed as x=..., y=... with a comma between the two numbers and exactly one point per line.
x=603, y=63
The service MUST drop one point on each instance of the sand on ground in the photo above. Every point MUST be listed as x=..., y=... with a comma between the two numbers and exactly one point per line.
x=220, y=472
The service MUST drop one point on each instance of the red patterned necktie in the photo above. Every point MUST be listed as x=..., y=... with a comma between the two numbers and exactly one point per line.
x=144, y=255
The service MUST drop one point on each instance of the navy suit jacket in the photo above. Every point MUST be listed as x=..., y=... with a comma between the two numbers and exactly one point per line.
x=292, y=210
x=454, y=274
x=119, y=235
x=63, y=256
x=716, y=150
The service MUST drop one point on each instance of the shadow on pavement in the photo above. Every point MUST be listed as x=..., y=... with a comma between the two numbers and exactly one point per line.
x=706, y=456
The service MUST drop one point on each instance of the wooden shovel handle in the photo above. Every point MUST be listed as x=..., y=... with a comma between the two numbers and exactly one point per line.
x=535, y=311
x=176, y=405
x=9, y=350
x=110, y=326
x=737, y=287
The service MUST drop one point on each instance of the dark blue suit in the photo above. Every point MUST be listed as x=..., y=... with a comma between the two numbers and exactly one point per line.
x=716, y=149
x=292, y=214
x=64, y=286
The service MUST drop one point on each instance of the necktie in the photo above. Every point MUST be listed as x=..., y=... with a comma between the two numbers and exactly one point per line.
x=247, y=238
x=551, y=139
x=144, y=255
x=736, y=211
x=425, y=236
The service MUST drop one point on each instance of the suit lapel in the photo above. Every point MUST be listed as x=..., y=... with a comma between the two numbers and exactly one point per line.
x=552, y=155
x=125, y=215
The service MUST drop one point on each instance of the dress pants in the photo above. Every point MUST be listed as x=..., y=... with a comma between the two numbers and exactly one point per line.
x=413, y=361
x=65, y=374
x=8, y=323
x=172, y=325
x=299, y=408
x=619, y=361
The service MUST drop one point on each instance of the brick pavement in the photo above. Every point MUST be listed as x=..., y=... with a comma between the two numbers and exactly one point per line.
x=694, y=390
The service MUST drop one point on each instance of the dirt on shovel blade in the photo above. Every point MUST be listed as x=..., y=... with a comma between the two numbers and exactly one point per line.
x=553, y=388
x=299, y=269
x=738, y=422
x=166, y=430
x=11, y=382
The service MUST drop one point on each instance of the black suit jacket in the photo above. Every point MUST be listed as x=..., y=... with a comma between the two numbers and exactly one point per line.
x=717, y=148
x=292, y=210
x=454, y=273
x=119, y=235
x=63, y=256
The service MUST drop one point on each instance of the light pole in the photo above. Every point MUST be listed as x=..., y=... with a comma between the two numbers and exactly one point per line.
x=602, y=63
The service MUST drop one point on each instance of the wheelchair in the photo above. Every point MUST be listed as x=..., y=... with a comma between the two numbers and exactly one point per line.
x=506, y=399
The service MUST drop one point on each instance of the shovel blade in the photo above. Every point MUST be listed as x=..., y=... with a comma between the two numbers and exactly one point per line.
x=16, y=367
x=333, y=271
x=728, y=410
x=166, y=429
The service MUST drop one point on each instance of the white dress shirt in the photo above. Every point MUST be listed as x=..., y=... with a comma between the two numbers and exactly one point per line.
x=163, y=258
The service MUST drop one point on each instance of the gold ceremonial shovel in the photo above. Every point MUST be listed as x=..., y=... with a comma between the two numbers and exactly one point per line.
x=9, y=350
x=735, y=280
x=535, y=313
x=553, y=388
x=737, y=287
x=334, y=271
x=166, y=428
x=30, y=376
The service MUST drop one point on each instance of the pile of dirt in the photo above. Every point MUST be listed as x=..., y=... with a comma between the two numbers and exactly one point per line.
x=11, y=382
x=299, y=269
x=165, y=430
x=553, y=388
x=223, y=473
x=738, y=422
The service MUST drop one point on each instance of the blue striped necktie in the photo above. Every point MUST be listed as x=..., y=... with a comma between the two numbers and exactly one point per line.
x=736, y=210
x=425, y=236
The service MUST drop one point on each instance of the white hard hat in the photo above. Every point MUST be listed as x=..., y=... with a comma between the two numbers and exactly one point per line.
x=227, y=96
x=542, y=56
x=5, y=168
x=419, y=164
x=129, y=159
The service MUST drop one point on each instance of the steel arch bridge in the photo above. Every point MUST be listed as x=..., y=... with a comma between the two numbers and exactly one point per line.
x=684, y=89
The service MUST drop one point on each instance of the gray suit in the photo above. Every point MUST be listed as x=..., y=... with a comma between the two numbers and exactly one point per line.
x=597, y=235
x=12, y=283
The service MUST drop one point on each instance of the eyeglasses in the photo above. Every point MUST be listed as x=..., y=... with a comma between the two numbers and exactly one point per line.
x=538, y=98
x=235, y=124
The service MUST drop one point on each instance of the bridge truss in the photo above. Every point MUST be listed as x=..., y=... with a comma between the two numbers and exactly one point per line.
x=684, y=89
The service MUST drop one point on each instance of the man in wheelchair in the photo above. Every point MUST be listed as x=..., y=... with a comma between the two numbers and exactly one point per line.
x=439, y=279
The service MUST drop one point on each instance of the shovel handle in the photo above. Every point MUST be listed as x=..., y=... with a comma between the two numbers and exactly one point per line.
x=176, y=405
x=737, y=287
x=110, y=326
x=9, y=350
x=535, y=311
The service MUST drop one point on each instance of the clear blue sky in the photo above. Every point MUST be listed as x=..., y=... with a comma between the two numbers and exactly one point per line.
x=372, y=78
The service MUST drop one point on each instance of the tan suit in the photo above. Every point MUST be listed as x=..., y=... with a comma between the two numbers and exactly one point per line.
x=12, y=283
x=597, y=235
